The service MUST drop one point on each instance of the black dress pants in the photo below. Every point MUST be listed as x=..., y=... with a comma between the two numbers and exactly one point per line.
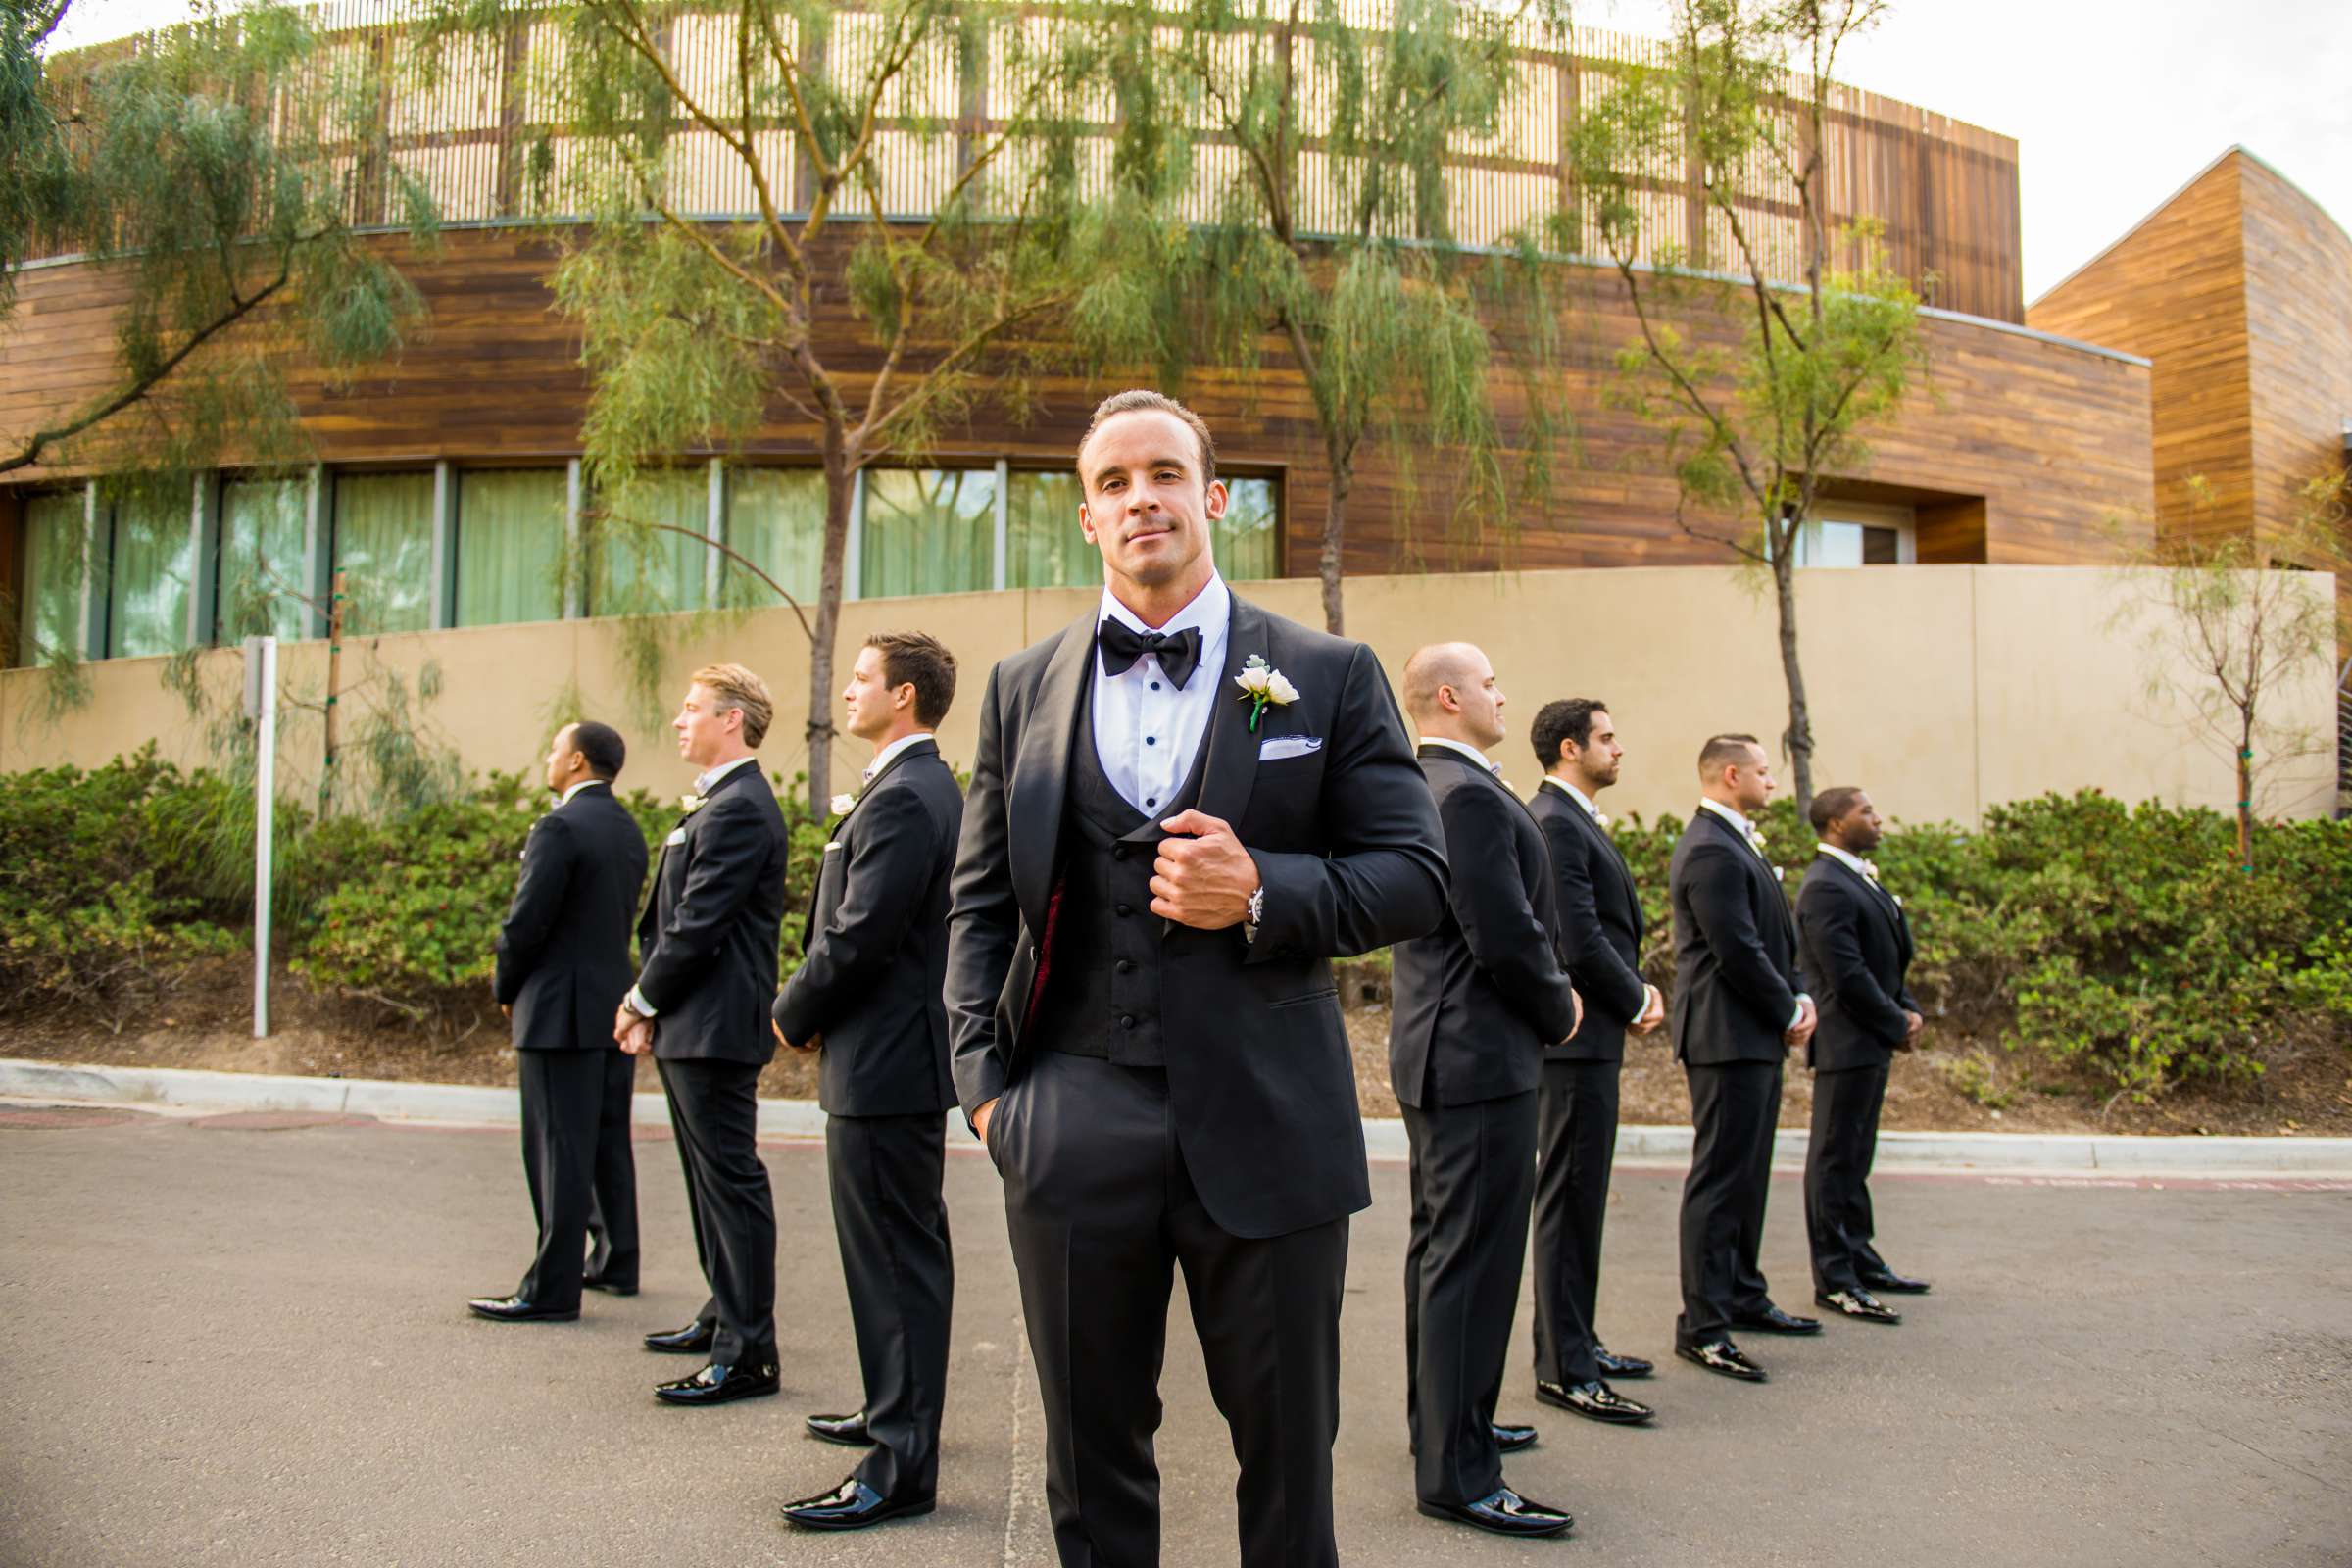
x=1101, y=1210
x=1846, y=1139
x=1734, y=1107
x=1576, y=1147
x=582, y=1175
x=892, y=1221
x=714, y=1107
x=1473, y=1179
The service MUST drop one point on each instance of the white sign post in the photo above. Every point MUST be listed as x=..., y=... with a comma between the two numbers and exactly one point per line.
x=260, y=706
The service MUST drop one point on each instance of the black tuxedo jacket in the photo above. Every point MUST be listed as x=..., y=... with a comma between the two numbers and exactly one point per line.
x=564, y=951
x=1857, y=949
x=1348, y=848
x=1478, y=998
x=876, y=946
x=1599, y=926
x=1736, y=975
x=709, y=934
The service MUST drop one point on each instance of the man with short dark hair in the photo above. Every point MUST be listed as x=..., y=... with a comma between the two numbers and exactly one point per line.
x=1738, y=1004
x=1599, y=935
x=563, y=966
x=1857, y=952
x=866, y=996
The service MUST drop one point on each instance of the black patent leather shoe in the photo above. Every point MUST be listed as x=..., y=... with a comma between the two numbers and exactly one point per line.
x=612, y=1286
x=1772, y=1320
x=718, y=1383
x=1594, y=1401
x=1860, y=1305
x=1613, y=1365
x=695, y=1339
x=846, y=1430
x=1723, y=1357
x=514, y=1309
x=1894, y=1284
x=1504, y=1512
x=853, y=1505
x=1510, y=1439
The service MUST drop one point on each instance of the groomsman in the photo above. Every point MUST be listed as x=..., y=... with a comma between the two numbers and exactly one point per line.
x=563, y=966
x=1738, y=1005
x=866, y=996
x=1576, y=1107
x=1182, y=807
x=700, y=1006
x=1857, y=949
x=1477, y=1001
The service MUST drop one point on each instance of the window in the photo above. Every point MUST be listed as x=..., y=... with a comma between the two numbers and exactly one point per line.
x=639, y=569
x=384, y=545
x=928, y=532
x=776, y=520
x=260, y=589
x=148, y=573
x=511, y=545
x=1851, y=533
x=1043, y=545
x=1247, y=539
x=48, y=622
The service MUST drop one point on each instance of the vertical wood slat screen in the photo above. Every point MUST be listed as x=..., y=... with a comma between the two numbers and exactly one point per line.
x=1944, y=191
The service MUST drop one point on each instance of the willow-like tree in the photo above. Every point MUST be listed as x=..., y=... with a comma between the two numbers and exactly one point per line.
x=1752, y=431
x=1330, y=233
x=912, y=219
x=226, y=223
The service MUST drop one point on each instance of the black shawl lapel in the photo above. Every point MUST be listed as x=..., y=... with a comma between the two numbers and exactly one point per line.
x=1880, y=899
x=927, y=747
x=1232, y=767
x=1624, y=872
x=1041, y=776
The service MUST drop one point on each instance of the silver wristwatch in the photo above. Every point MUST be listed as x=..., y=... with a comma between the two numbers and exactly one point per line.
x=1256, y=915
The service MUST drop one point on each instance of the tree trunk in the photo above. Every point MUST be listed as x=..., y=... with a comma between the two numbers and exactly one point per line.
x=2246, y=791
x=841, y=480
x=1800, y=735
x=331, y=760
x=1335, y=528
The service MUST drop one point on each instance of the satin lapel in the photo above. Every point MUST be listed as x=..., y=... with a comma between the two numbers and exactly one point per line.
x=1041, y=774
x=1884, y=902
x=866, y=790
x=1624, y=872
x=1231, y=771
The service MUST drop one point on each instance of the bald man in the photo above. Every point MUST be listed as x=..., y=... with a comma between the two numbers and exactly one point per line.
x=1475, y=1003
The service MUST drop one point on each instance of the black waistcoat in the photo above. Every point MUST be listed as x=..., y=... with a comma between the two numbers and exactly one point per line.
x=1102, y=998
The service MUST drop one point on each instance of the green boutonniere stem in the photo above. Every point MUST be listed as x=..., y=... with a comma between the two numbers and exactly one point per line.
x=1258, y=709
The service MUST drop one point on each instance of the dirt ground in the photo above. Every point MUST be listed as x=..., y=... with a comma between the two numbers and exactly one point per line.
x=1949, y=1085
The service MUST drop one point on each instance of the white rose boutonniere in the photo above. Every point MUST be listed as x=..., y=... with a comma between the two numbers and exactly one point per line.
x=1263, y=686
x=840, y=805
x=691, y=803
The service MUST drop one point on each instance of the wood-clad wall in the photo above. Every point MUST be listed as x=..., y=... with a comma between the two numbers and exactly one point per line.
x=2023, y=450
x=2298, y=337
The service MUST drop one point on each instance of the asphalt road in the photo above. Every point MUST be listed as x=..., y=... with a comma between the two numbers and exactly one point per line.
x=226, y=1344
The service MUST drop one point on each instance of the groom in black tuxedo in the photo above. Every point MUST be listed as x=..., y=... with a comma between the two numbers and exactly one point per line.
x=700, y=1006
x=866, y=996
x=1857, y=949
x=1477, y=1001
x=563, y=967
x=1739, y=1004
x=1182, y=807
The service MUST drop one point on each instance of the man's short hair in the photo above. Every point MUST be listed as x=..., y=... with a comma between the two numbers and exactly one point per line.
x=1831, y=804
x=1145, y=400
x=1570, y=718
x=602, y=746
x=738, y=688
x=1723, y=749
x=919, y=659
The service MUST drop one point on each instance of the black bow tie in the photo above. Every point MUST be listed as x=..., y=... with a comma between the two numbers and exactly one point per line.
x=1178, y=652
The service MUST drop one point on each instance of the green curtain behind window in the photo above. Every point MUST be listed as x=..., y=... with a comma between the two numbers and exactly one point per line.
x=510, y=546
x=1043, y=547
x=384, y=545
x=147, y=578
x=1247, y=539
x=49, y=619
x=775, y=518
x=928, y=532
x=640, y=570
x=260, y=584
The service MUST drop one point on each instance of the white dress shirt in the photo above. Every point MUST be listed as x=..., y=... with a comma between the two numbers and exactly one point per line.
x=1862, y=869
x=574, y=789
x=1148, y=730
x=1468, y=751
x=1573, y=793
x=1747, y=831
x=635, y=1001
x=882, y=757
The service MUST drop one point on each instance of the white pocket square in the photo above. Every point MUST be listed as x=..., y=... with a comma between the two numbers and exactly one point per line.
x=835, y=844
x=1277, y=746
x=677, y=835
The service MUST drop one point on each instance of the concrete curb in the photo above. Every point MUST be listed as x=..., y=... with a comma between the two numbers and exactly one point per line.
x=2071, y=1153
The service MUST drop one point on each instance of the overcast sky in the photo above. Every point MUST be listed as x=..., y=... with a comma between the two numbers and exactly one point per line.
x=2115, y=104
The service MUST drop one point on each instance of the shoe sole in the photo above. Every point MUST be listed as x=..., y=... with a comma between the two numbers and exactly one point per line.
x=1590, y=1415
x=912, y=1512
x=679, y=1349
x=846, y=1442
x=693, y=1402
x=1433, y=1511
x=612, y=1290
x=1785, y=1334
x=535, y=1317
x=1759, y=1375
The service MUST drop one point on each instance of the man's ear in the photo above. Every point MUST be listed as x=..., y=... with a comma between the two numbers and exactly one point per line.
x=1219, y=498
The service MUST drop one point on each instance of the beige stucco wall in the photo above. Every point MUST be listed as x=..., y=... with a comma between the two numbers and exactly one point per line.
x=1942, y=689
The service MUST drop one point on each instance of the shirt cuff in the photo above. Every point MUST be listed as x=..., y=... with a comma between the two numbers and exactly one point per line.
x=1796, y=1018
x=635, y=1002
